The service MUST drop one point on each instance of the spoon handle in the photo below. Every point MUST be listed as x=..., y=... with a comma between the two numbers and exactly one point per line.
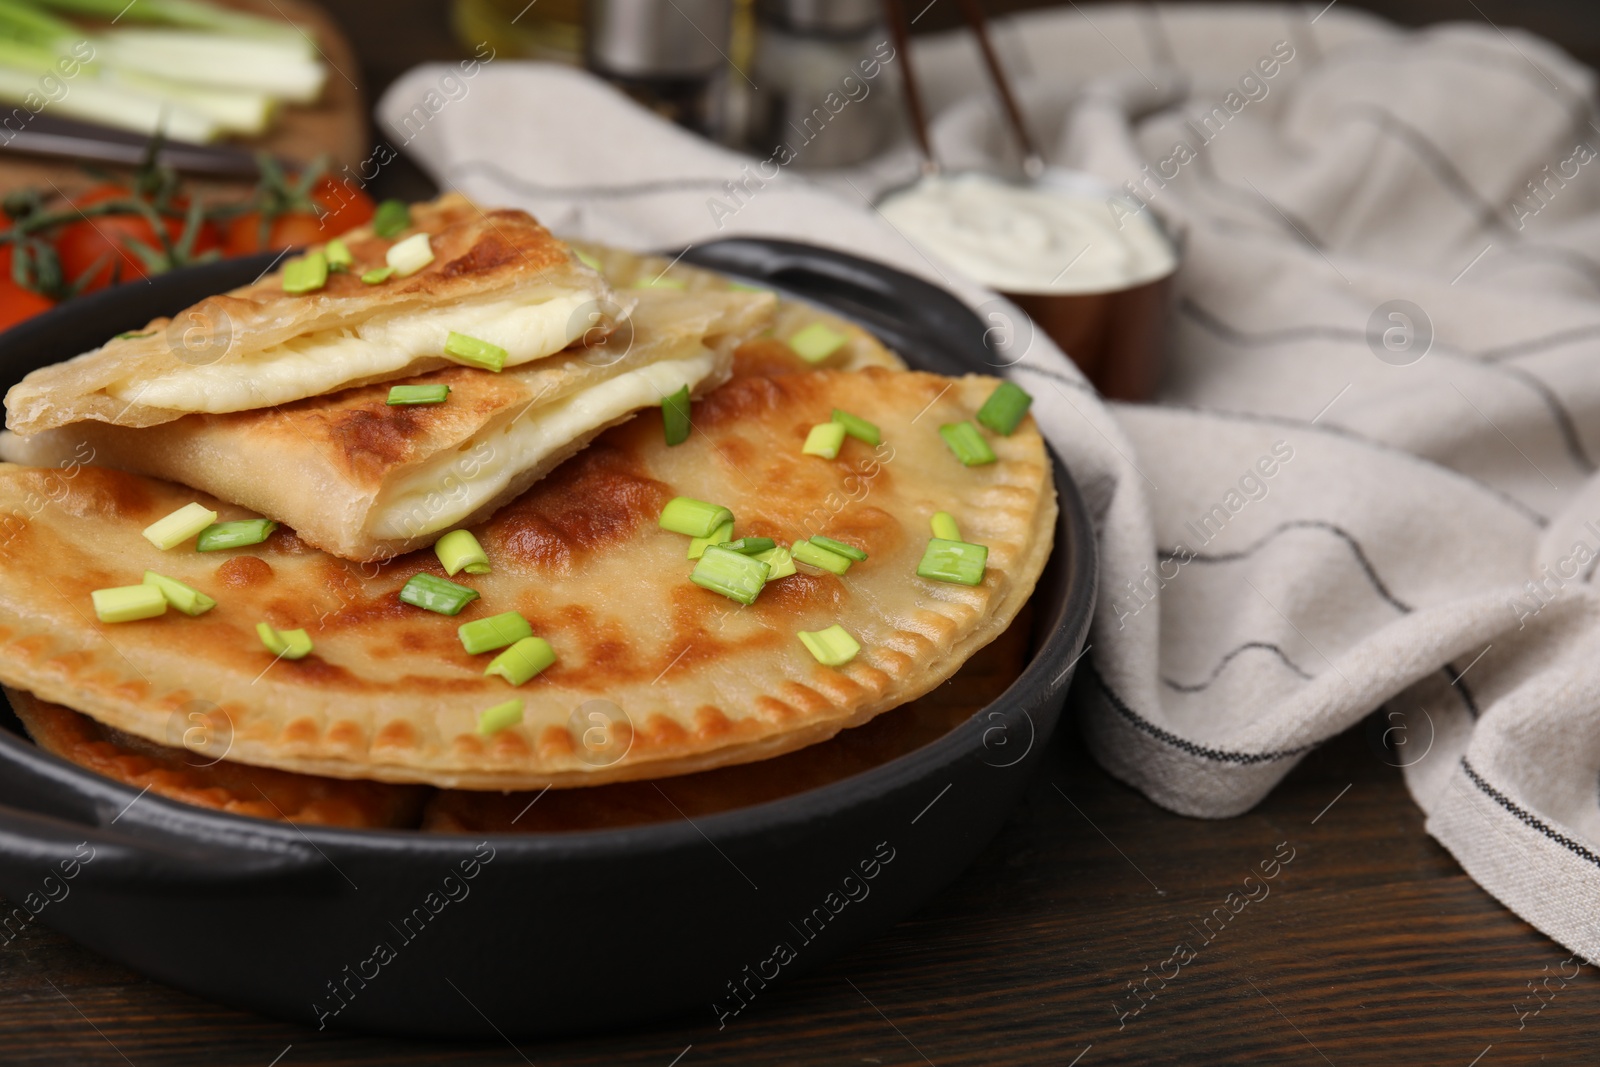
x=1032, y=161
x=900, y=32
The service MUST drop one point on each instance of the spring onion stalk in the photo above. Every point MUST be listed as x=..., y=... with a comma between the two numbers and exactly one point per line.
x=693, y=518
x=470, y=350
x=1005, y=408
x=93, y=101
x=589, y=261
x=956, y=562
x=186, y=598
x=405, y=395
x=825, y=440
x=178, y=527
x=833, y=647
x=25, y=22
x=458, y=550
x=857, y=427
x=497, y=631
x=967, y=443
x=435, y=594
x=234, y=534
x=285, y=644
x=780, y=564
x=282, y=71
x=675, y=416
x=409, y=256
x=749, y=546
x=338, y=253
x=522, y=661
x=306, y=274
x=849, y=551
x=391, y=219
x=192, y=14
x=817, y=556
x=734, y=576
x=128, y=602
x=237, y=111
x=500, y=717
x=817, y=342
x=377, y=275
x=721, y=535
x=944, y=526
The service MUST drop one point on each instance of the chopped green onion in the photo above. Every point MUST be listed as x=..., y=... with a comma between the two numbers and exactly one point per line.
x=1005, y=408
x=391, y=219
x=833, y=647
x=817, y=556
x=741, y=287
x=186, y=598
x=459, y=550
x=749, y=546
x=825, y=440
x=435, y=594
x=235, y=534
x=720, y=535
x=377, y=275
x=660, y=282
x=953, y=561
x=522, y=660
x=734, y=576
x=497, y=631
x=500, y=717
x=857, y=427
x=694, y=518
x=133, y=334
x=306, y=274
x=589, y=261
x=967, y=443
x=849, y=551
x=178, y=527
x=944, y=526
x=417, y=394
x=409, y=256
x=128, y=602
x=285, y=644
x=475, y=353
x=817, y=342
x=675, y=416
x=780, y=564
x=338, y=253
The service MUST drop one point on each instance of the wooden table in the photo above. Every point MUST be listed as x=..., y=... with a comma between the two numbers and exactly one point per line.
x=1370, y=947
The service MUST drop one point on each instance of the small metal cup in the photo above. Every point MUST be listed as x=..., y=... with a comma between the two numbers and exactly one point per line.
x=1116, y=336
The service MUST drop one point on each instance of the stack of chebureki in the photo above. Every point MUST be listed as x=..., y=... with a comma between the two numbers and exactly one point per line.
x=823, y=604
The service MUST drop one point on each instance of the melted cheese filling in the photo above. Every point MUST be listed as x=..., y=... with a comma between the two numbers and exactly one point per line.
x=323, y=362
x=441, y=493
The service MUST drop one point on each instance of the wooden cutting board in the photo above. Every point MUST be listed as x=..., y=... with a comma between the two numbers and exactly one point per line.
x=335, y=125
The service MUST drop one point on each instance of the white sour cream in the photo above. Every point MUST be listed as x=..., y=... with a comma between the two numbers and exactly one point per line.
x=1050, y=237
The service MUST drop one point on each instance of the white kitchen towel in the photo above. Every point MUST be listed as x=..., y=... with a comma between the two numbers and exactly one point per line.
x=1368, y=487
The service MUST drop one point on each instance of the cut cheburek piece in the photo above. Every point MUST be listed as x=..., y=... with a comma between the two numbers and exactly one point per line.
x=205, y=778
x=497, y=276
x=365, y=480
x=688, y=679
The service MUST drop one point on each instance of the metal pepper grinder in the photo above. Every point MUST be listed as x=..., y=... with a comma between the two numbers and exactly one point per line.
x=822, y=89
x=670, y=57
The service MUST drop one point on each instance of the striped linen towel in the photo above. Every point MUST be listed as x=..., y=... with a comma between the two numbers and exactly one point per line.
x=1368, y=487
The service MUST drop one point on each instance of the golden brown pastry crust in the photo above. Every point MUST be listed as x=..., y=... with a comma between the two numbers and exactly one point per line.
x=477, y=254
x=390, y=695
x=326, y=465
x=212, y=782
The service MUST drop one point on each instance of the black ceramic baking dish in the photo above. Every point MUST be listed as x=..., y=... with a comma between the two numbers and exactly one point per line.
x=535, y=933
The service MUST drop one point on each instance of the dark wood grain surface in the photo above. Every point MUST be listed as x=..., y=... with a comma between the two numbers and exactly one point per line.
x=1369, y=947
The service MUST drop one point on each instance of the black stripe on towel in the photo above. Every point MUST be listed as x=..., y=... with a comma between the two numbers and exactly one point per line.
x=1219, y=755
x=1527, y=817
